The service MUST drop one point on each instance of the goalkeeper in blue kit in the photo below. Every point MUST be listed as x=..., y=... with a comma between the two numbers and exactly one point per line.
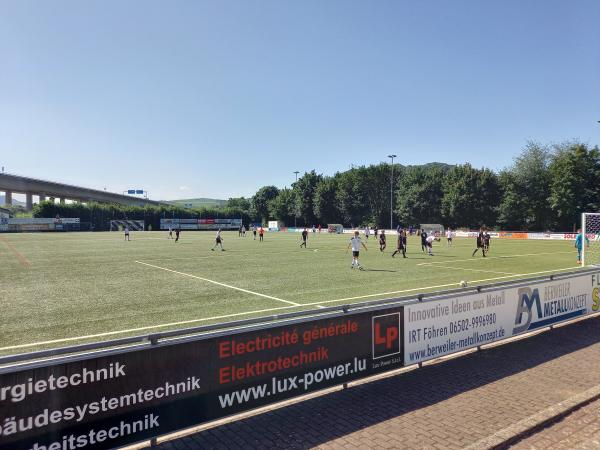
x=579, y=244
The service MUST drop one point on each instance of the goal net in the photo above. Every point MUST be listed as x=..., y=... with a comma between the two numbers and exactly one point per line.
x=590, y=228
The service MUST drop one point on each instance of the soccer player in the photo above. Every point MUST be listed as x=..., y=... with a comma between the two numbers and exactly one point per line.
x=240, y=231
x=367, y=233
x=355, y=243
x=382, y=243
x=314, y=229
x=170, y=232
x=401, y=243
x=261, y=234
x=319, y=228
x=177, y=231
x=579, y=244
x=449, y=236
x=423, y=240
x=127, y=233
x=375, y=230
x=480, y=243
x=429, y=244
x=218, y=241
x=486, y=241
x=254, y=231
x=244, y=230
x=304, y=237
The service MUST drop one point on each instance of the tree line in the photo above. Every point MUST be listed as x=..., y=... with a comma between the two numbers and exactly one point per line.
x=546, y=187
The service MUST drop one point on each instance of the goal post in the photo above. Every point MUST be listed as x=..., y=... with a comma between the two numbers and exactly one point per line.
x=590, y=228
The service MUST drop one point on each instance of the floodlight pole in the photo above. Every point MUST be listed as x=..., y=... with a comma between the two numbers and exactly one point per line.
x=295, y=215
x=392, y=193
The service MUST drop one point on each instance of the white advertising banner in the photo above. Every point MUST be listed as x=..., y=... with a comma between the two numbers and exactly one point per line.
x=437, y=328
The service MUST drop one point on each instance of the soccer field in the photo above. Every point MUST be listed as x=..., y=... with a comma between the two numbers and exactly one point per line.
x=60, y=289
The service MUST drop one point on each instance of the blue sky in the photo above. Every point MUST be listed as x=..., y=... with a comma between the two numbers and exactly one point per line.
x=215, y=99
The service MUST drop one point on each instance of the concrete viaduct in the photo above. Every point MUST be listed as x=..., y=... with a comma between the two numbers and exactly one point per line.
x=51, y=190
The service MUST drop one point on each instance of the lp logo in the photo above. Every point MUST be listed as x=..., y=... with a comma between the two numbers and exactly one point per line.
x=386, y=335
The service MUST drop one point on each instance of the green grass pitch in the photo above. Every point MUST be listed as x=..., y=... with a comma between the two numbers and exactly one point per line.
x=61, y=289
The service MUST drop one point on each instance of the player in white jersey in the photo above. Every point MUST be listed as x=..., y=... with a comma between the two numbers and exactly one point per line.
x=127, y=233
x=218, y=241
x=449, y=236
x=367, y=233
x=429, y=244
x=355, y=243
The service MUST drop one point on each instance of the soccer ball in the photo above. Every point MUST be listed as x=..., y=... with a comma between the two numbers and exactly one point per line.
x=463, y=283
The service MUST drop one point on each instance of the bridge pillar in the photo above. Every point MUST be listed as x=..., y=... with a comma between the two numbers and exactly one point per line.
x=62, y=200
x=8, y=197
x=28, y=201
x=42, y=197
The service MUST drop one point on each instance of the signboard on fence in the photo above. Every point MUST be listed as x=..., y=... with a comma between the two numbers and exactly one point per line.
x=200, y=224
x=40, y=224
x=110, y=401
x=437, y=328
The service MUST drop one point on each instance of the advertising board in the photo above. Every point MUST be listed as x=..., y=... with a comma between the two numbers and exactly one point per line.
x=128, y=396
x=201, y=224
x=437, y=328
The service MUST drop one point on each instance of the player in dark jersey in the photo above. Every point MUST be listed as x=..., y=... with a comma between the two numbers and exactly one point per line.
x=480, y=243
x=486, y=241
x=382, y=243
x=423, y=241
x=177, y=231
x=401, y=243
x=304, y=238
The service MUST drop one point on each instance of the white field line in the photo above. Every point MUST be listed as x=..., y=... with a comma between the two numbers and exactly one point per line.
x=436, y=287
x=476, y=270
x=149, y=327
x=228, y=316
x=220, y=284
x=474, y=259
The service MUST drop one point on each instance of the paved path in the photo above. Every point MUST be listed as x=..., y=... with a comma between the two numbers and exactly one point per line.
x=455, y=404
x=578, y=430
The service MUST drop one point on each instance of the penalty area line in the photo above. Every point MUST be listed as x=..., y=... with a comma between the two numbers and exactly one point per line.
x=476, y=270
x=473, y=259
x=422, y=288
x=220, y=284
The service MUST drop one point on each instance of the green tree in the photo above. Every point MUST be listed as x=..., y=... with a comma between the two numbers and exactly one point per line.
x=325, y=203
x=512, y=210
x=304, y=190
x=351, y=198
x=574, y=186
x=419, y=195
x=470, y=197
x=530, y=185
x=282, y=206
x=240, y=203
x=260, y=202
